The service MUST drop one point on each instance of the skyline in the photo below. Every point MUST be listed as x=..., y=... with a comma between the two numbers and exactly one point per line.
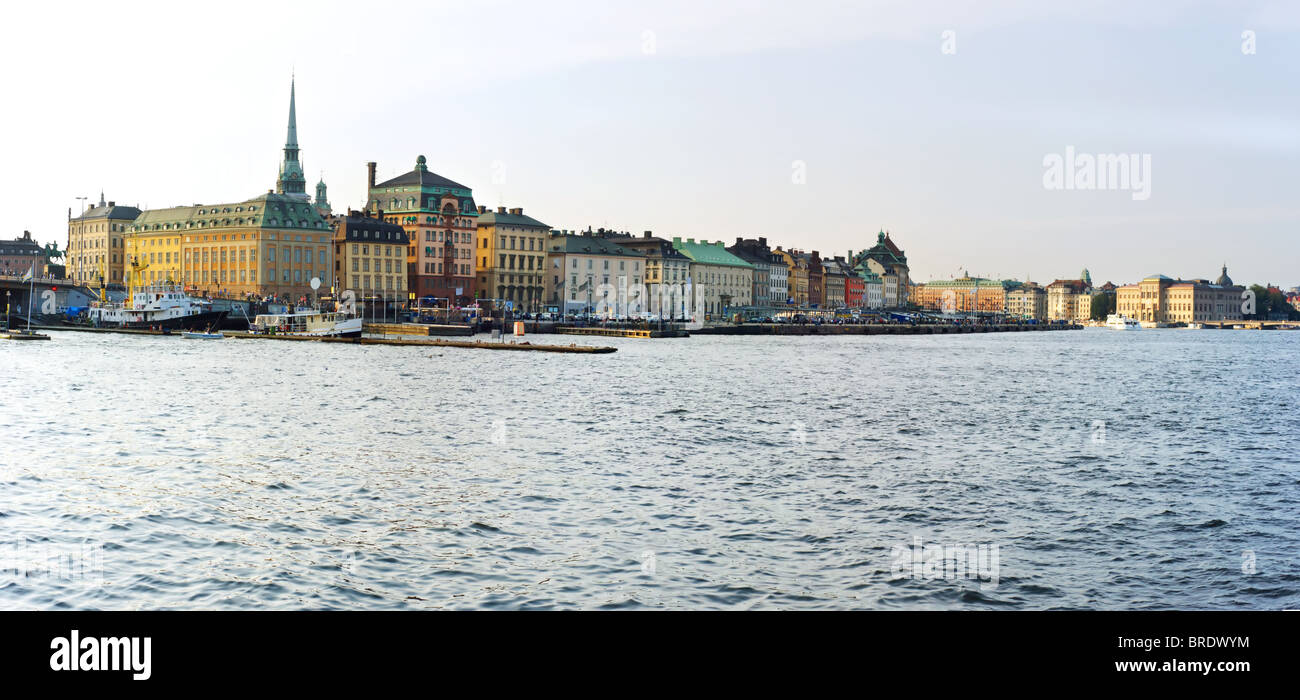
x=683, y=138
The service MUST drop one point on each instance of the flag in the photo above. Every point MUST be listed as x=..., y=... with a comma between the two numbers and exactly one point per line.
x=30, y=272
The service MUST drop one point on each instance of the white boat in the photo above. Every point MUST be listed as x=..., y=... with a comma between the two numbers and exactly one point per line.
x=1120, y=322
x=202, y=336
x=1194, y=326
x=309, y=322
x=159, y=306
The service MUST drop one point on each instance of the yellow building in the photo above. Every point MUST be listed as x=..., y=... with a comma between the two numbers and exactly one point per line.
x=95, y=243
x=268, y=246
x=510, y=257
x=370, y=259
x=1164, y=300
x=153, y=257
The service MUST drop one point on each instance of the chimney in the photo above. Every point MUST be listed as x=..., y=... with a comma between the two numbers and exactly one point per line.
x=501, y=210
x=739, y=240
x=112, y=204
x=370, y=177
x=517, y=211
x=762, y=242
x=647, y=234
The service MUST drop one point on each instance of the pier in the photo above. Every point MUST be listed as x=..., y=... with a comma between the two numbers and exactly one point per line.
x=876, y=329
x=621, y=332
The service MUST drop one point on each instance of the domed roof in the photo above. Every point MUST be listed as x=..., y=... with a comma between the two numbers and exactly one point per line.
x=1224, y=280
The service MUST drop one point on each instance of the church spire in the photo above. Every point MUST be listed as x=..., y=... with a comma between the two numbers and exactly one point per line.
x=291, y=180
x=291, y=141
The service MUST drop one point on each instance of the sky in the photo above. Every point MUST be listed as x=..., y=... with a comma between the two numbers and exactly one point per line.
x=813, y=124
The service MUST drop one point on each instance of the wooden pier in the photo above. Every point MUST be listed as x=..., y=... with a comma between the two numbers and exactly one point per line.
x=621, y=332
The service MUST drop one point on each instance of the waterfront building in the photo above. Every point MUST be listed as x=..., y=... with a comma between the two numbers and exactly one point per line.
x=664, y=264
x=96, y=252
x=153, y=255
x=20, y=255
x=874, y=288
x=440, y=219
x=724, y=280
x=778, y=279
x=1069, y=300
x=855, y=291
x=755, y=252
x=889, y=262
x=370, y=260
x=271, y=245
x=1027, y=301
x=964, y=294
x=1161, y=299
x=796, y=277
x=510, y=259
x=579, y=264
x=267, y=246
x=833, y=279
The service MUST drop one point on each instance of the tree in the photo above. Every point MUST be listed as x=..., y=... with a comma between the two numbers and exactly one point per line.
x=1103, y=305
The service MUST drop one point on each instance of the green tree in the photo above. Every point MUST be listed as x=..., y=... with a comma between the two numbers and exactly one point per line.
x=1103, y=305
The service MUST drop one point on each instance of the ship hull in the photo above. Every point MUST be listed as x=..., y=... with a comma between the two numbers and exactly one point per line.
x=191, y=322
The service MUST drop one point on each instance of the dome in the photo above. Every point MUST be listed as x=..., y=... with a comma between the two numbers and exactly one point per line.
x=1224, y=280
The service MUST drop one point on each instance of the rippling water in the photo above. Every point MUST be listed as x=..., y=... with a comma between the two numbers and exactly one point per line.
x=708, y=472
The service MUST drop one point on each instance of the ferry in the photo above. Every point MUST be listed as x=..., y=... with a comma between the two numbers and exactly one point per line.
x=161, y=307
x=1120, y=322
x=309, y=322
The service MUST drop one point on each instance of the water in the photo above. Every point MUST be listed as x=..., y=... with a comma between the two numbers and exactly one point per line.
x=709, y=472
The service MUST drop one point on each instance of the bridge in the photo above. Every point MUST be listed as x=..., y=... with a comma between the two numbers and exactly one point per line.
x=66, y=293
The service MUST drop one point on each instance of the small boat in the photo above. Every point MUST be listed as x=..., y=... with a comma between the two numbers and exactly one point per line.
x=196, y=335
x=1194, y=326
x=1120, y=322
x=22, y=335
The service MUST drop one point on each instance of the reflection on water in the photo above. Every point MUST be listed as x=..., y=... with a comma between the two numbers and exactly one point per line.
x=1111, y=470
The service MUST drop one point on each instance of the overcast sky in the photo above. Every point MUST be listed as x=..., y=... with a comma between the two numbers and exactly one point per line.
x=813, y=124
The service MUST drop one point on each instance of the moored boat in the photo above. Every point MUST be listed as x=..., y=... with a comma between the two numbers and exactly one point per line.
x=1120, y=322
x=162, y=307
x=196, y=335
x=308, y=322
x=18, y=334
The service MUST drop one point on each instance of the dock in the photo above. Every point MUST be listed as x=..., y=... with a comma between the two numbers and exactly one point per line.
x=418, y=329
x=411, y=342
x=621, y=332
x=871, y=329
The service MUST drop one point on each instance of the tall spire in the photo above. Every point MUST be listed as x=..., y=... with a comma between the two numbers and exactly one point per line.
x=291, y=141
x=291, y=180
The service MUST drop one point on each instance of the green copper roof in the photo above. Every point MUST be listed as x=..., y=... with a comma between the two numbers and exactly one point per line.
x=707, y=253
x=266, y=211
